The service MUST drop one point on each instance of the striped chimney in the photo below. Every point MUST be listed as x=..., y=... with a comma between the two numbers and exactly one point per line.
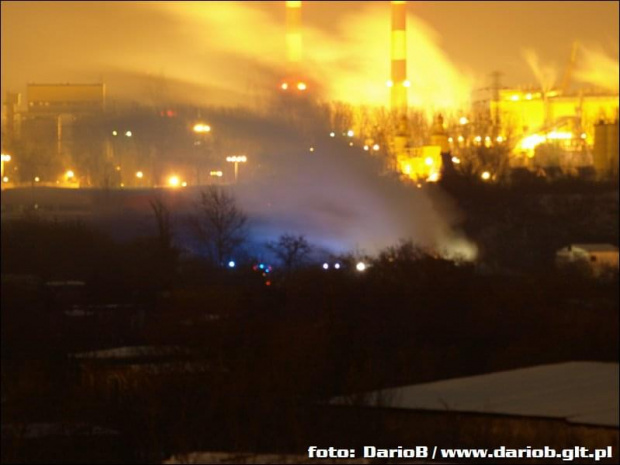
x=293, y=34
x=399, y=82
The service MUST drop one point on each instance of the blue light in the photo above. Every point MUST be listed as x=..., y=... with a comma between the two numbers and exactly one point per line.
x=231, y=264
x=261, y=266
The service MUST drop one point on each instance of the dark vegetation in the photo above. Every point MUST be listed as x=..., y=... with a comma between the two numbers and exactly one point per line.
x=236, y=364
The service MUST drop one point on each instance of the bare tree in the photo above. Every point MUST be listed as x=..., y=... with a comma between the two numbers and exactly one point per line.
x=164, y=225
x=219, y=224
x=291, y=250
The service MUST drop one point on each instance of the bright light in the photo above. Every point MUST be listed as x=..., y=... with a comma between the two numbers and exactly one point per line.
x=174, y=181
x=37, y=179
x=350, y=144
x=514, y=98
x=350, y=133
x=326, y=266
x=485, y=175
x=6, y=157
x=477, y=139
x=407, y=169
x=376, y=147
x=461, y=139
x=184, y=184
x=139, y=175
x=231, y=264
x=5, y=179
x=129, y=134
x=115, y=133
x=284, y=86
x=560, y=135
x=237, y=159
x=366, y=148
x=583, y=135
x=530, y=142
x=456, y=160
x=406, y=83
x=361, y=266
x=217, y=174
x=450, y=139
x=301, y=86
x=337, y=266
x=312, y=149
x=434, y=177
x=202, y=128
x=69, y=174
x=332, y=134
x=118, y=167
x=389, y=83
x=500, y=139
x=463, y=120
x=528, y=96
x=428, y=161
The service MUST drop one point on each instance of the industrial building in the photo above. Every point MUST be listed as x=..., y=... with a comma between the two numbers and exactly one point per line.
x=42, y=132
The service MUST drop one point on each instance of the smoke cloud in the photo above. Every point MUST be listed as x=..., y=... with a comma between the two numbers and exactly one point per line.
x=598, y=69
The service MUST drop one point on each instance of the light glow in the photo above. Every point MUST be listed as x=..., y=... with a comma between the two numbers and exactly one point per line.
x=237, y=159
x=174, y=181
x=485, y=175
x=361, y=266
x=201, y=128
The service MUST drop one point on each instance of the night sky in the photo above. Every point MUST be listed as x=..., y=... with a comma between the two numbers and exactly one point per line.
x=223, y=52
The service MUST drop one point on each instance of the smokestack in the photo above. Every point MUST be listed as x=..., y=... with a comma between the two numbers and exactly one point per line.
x=293, y=35
x=399, y=82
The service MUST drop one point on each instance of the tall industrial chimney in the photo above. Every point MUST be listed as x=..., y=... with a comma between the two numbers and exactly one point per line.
x=399, y=82
x=293, y=35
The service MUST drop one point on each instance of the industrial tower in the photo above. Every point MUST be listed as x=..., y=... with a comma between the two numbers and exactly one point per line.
x=293, y=80
x=399, y=83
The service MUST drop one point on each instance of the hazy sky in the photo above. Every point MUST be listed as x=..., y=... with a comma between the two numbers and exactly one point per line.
x=227, y=51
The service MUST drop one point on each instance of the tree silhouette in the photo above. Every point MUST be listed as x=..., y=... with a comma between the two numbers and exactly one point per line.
x=292, y=251
x=219, y=224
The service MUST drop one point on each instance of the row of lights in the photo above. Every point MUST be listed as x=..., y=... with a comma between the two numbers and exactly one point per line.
x=127, y=133
x=301, y=86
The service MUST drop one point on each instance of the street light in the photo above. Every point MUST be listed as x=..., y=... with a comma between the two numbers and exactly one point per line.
x=236, y=159
x=174, y=181
x=5, y=158
x=201, y=128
